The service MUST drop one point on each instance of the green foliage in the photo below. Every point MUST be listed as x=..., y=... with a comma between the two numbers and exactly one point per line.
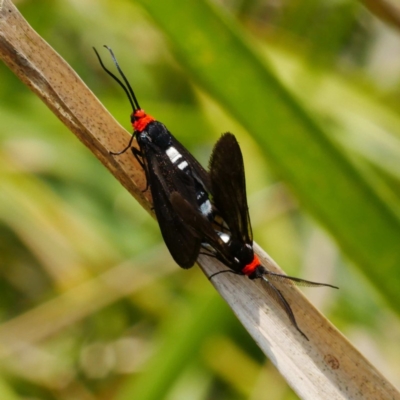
x=92, y=306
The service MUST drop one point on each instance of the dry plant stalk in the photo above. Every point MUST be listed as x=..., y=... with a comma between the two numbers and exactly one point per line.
x=326, y=367
x=386, y=10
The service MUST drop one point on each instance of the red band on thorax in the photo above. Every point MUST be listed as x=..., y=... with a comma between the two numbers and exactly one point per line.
x=142, y=120
x=250, y=268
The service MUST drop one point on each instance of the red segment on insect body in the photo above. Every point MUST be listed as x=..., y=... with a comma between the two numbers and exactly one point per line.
x=141, y=120
x=250, y=268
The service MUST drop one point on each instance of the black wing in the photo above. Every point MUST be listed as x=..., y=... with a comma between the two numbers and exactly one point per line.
x=182, y=243
x=201, y=226
x=197, y=170
x=228, y=185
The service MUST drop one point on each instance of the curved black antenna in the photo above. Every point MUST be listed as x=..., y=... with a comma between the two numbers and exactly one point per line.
x=128, y=94
x=291, y=280
x=278, y=297
x=124, y=78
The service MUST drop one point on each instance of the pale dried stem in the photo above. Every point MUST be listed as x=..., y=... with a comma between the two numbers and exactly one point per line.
x=386, y=10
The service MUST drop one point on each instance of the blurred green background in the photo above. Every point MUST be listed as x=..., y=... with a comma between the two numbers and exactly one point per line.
x=92, y=306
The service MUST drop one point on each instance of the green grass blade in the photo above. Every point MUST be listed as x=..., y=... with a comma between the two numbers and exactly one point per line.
x=216, y=53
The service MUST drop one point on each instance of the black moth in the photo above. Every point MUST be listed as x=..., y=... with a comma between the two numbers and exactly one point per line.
x=181, y=188
x=169, y=168
x=234, y=246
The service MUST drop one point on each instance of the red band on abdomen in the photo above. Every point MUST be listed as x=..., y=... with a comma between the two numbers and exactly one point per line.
x=250, y=268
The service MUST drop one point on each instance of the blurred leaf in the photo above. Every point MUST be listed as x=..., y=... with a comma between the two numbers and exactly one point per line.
x=6, y=393
x=182, y=338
